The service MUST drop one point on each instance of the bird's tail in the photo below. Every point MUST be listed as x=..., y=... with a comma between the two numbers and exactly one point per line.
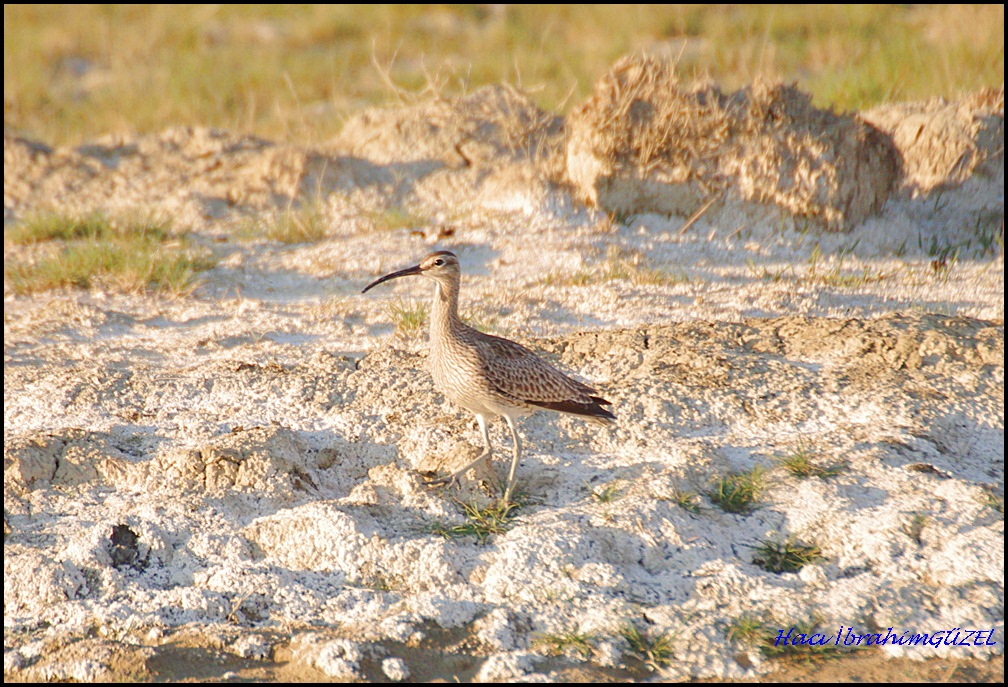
x=593, y=411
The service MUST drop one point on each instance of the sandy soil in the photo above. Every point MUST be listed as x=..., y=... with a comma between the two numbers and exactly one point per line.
x=229, y=485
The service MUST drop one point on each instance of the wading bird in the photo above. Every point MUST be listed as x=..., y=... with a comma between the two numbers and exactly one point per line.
x=488, y=375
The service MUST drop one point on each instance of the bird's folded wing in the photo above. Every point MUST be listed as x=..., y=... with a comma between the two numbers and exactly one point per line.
x=518, y=373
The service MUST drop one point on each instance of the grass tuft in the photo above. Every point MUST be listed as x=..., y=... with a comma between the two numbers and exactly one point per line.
x=788, y=555
x=747, y=630
x=736, y=492
x=817, y=275
x=800, y=464
x=654, y=650
x=561, y=643
x=482, y=522
x=684, y=498
x=409, y=316
x=481, y=319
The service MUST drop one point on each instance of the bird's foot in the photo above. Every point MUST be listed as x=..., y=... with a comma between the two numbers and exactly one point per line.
x=433, y=482
x=440, y=482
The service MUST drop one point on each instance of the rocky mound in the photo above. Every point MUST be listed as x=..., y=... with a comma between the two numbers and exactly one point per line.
x=646, y=142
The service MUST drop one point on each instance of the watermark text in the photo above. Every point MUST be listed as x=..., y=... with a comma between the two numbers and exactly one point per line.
x=957, y=636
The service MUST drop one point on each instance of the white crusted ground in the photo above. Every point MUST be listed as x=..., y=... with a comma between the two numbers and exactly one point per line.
x=264, y=439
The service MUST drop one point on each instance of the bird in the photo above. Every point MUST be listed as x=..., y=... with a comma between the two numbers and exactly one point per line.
x=488, y=375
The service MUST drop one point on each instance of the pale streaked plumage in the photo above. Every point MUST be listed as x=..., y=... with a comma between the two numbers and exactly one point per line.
x=488, y=375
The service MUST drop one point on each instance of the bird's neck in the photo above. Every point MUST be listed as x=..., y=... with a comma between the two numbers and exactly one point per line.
x=444, y=312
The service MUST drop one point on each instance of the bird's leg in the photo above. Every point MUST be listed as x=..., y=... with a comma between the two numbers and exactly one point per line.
x=487, y=449
x=514, y=458
x=486, y=455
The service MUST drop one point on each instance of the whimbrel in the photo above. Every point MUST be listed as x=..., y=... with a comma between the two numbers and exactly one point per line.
x=488, y=375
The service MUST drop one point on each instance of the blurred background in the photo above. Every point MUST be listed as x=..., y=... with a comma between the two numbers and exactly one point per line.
x=72, y=73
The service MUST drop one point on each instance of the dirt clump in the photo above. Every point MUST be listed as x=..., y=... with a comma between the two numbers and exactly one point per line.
x=945, y=143
x=646, y=142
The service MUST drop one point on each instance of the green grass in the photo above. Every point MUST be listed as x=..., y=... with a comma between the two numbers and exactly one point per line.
x=72, y=73
x=789, y=555
x=737, y=492
x=801, y=464
x=482, y=522
x=133, y=252
x=653, y=650
x=747, y=630
x=560, y=643
x=89, y=226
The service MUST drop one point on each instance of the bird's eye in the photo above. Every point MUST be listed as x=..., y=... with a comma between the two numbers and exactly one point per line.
x=439, y=261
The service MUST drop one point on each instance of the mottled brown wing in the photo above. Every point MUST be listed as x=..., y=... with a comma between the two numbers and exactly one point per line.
x=519, y=374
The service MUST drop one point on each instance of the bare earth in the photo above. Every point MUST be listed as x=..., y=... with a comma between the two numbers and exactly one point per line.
x=229, y=485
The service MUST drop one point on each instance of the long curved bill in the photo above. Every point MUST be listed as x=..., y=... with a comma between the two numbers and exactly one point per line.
x=409, y=271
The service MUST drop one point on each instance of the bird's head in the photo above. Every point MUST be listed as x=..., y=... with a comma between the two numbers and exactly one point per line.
x=442, y=267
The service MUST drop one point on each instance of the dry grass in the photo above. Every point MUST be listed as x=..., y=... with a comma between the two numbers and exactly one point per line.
x=305, y=224
x=686, y=499
x=393, y=218
x=409, y=316
x=818, y=273
x=559, y=277
x=620, y=264
x=72, y=73
x=482, y=318
x=644, y=121
x=333, y=307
